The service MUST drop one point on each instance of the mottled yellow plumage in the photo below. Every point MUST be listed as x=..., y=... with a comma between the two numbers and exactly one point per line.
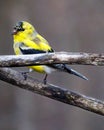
x=28, y=38
x=28, y=41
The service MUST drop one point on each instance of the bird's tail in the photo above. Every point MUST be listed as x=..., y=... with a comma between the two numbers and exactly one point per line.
x=66, y=68
x=71, y=71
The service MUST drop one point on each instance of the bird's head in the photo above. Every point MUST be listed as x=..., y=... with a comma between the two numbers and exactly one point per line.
x=23, y=29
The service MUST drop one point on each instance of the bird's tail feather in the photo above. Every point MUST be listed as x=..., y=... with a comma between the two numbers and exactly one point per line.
x=66, y=68
x=71, y=71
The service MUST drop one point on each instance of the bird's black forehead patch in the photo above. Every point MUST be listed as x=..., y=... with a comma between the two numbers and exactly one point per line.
x=19, y=24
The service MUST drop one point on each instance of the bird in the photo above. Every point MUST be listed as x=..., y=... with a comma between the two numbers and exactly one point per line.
x=26, y=40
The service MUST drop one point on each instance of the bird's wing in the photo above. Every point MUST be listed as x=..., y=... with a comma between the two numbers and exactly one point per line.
x=42, y=43
x=25, y=49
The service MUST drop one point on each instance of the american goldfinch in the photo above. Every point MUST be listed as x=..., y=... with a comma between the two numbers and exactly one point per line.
x=28, y=41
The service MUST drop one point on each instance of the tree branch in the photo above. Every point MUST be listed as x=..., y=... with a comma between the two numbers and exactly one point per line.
x=52, y=91
x=49, y=90
x=51, y=58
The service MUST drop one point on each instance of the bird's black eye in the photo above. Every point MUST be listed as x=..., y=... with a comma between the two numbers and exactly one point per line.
x=19, y=26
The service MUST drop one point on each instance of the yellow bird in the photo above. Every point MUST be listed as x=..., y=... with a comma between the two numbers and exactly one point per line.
x=28, y=41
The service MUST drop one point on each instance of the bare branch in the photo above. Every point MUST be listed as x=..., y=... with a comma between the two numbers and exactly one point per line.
x=51, y=91
x=50, y=58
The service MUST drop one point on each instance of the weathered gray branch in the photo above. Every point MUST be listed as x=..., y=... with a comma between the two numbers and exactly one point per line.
x=50, y=58
x=51, y=91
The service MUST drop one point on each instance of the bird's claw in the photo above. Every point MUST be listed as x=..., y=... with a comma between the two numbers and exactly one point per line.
x=24, y=75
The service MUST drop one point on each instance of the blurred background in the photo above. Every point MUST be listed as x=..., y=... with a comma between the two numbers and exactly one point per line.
x=68, y=25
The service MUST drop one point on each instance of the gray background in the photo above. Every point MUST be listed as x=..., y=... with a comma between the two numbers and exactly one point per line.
x=68, y=25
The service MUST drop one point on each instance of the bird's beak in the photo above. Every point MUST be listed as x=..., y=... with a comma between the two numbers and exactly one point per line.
x=14, y=32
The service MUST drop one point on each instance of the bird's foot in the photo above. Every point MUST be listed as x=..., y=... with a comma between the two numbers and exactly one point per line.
x=24, y=74
x=45, y=79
